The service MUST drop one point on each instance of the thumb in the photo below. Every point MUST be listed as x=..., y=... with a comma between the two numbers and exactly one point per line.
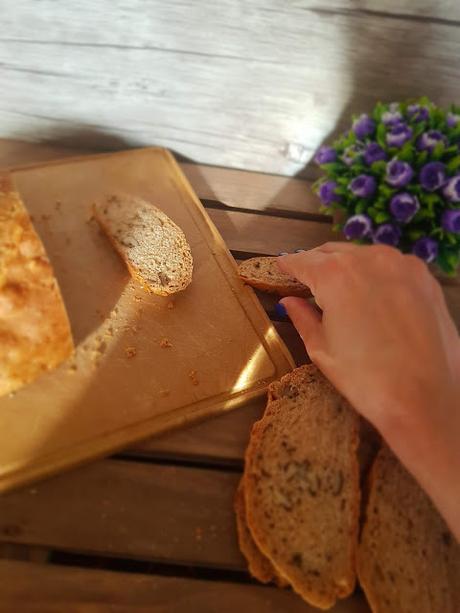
x=307, y=320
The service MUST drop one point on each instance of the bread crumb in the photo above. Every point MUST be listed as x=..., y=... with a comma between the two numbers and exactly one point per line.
x=57, y=205
x=45, y=217
x=137, y=298
x=130, y=352
x=164, y=393
x=199, y=534
x=165, y=343
x=170, y=305
x=72, y=368
x=68, y=240
x=193, y=377
x=89, y=217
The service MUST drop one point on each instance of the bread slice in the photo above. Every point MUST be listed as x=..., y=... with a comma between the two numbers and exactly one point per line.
x=302, y=486
x=154, y=248
x=263, y=273
x=407, y=559
x=259, y=565
x=35, y=333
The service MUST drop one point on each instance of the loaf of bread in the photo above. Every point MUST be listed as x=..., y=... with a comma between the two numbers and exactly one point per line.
x=408, y=561
x=35, y=333
x=259, y=565
x=302, y=486
x=152, y=245
x=263, y=273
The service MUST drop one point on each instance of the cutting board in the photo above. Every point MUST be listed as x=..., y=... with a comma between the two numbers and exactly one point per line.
x=143, y=363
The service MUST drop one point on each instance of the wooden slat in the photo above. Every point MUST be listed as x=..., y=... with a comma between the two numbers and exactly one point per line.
x=58, y=589
x=269, y=235
x=130, y=509
x=257, y=88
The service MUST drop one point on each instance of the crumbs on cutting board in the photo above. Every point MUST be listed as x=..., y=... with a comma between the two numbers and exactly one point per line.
x=165, y=343
x=193, y=376
x=164, y=393
x=130, y=352
x=57, y=205
x=170, y=305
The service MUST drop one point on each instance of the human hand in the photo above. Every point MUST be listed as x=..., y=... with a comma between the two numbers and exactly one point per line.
x=385, y=339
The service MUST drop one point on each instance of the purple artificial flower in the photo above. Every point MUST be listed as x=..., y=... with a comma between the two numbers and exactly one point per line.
x=398, y=135
x=404, y=206
x=450, y=221
x=387, y=234
x=374, y=153
x=325, y=155
x=426, y=249
x=393, y=117
x=451, y=190
x=363, y=186
x=398, y=173
x=418, y=113
x=432, y=176
x=363, y=126
x=452, y=120
x=351, y=153
x=428, y=140
x=327, y=193
x=357, y=226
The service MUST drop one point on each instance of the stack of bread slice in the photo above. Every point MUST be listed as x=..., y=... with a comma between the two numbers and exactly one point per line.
x=302, y=520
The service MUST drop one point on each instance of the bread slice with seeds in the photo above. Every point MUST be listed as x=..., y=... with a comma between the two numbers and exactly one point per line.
x=407, y=558
x=259, y=565
x=302, y=486
x=263, y=273
x=152, y=245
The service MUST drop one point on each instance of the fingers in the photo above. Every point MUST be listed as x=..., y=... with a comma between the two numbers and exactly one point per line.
x=307, y=320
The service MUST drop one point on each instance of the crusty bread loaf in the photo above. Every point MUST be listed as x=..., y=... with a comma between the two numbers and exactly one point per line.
x=152, y=245
x=35, y=333
x=408, y=561
x=263, y=273
x=259, y=565
x=302, y=486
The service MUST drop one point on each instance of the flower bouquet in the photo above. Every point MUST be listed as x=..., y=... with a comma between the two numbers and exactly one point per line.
x=395, y=178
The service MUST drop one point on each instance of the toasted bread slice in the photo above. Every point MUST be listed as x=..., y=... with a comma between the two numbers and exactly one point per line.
x=302, y=486
x=263, y=273
x=407, y=559
x=154, y=247
x=259, y=565
x=35, y=333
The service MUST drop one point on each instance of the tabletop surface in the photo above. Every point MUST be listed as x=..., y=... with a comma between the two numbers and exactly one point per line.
x=153, y=528
x=256, y=85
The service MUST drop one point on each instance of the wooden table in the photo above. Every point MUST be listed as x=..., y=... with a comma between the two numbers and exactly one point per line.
x=152, y=528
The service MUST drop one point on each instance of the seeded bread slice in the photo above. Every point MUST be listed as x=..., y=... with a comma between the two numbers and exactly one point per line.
x=154, y=247
x=407, y=560
x=302, y=486
x=259, y=565
x=263, y=273
x=35, y=333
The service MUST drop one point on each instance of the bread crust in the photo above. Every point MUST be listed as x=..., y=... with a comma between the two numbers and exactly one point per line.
x=263, y=273
x=35, y=333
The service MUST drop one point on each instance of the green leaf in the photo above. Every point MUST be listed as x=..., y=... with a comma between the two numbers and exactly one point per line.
x=421, y=158
x=378, y=111
x=415, y=234
x=448, y=260
x=438, y=151
x=337, y=227
x=381, y=217
x=386, y=191
x=451, y=150
x=454, y=164
x=333, y=168
x=379, y=168
x=407, y=153
x=360, y=207
x=381, y=135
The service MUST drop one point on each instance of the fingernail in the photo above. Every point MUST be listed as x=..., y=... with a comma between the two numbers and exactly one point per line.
x=281, y=310
x=299, y=250
x=283, y=253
